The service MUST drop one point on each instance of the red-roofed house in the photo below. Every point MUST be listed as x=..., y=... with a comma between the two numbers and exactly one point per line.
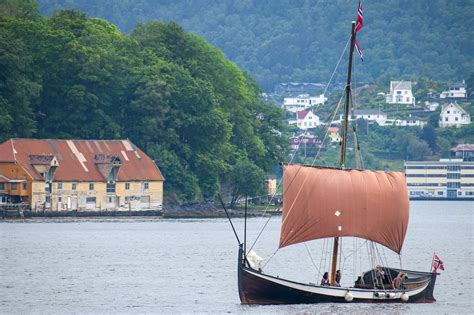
x=333, y=133
x=463, y=151
x=81, y=174
x=305, y=120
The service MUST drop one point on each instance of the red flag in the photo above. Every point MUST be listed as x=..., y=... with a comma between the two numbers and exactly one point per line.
x=437, y=263
x=360, y=18
x=360, y=23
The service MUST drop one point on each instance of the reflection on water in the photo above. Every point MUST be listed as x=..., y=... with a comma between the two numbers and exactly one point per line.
x=152, y=265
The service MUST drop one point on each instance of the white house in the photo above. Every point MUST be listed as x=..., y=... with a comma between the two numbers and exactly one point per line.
x=375, y=115
x=453, y=115
x=305, y=120
x=302, y=102
x=456, y=90
x=400, y=93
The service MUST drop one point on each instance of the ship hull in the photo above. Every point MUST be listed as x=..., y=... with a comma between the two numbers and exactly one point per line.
x=258, y=288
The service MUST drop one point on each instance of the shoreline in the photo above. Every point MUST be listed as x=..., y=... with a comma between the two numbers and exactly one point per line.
x=162, y=214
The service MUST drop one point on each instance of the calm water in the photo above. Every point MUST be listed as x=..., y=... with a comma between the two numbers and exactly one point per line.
x=184, y=266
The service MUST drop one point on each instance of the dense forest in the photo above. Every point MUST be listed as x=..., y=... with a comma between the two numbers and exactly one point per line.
x=301, y=40
x=170, y=92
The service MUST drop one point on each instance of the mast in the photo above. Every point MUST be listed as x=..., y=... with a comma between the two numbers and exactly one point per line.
x=342, y=159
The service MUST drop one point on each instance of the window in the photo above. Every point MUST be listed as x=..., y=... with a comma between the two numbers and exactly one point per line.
x=446, y=119
x=110, y=188
x=2, y=186
x=456, y=118
x=454, y=168
x=48, y=198
x=14, y=186
x=145, y=186
x=74, y=186
x=469, y=193
x=60, y=199
x=440, y=193
x=60, y=185
x=110, y=199
x=454, y=185
x=453, y=176
x=24, y=186
x=90, y=199
x=447, y=112
x=127, y=186
x=91, y=186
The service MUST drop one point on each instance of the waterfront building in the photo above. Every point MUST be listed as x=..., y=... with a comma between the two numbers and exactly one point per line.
x=453, y=115
x=400, y=93
x=90, y=175
x=302, y=102
x=443, y=179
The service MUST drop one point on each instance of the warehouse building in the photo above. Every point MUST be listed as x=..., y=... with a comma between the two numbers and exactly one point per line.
x=82, y=175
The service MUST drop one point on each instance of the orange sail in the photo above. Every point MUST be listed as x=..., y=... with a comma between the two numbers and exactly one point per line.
x=323, y=202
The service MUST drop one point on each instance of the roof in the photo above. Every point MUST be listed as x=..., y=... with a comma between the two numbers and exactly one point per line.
x=359, y=112
x=78, y=159
x=400, y=85
x=445, y=107
x=463, y=147
x=457, y=85
x=301, y=114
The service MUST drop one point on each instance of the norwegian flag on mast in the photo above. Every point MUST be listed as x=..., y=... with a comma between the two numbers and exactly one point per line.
x=360, y=23
x=437, y=263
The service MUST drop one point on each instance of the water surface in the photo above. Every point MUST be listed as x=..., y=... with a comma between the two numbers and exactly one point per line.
x=182, y=266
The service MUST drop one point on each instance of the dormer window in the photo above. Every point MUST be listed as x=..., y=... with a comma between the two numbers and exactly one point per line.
x=108, y=165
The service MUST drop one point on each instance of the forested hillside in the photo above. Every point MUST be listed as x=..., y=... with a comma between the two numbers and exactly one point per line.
x=300, y=40
x=170, y=92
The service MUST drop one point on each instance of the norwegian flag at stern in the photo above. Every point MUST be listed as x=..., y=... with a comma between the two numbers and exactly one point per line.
x=437, y=263
x=360, y=23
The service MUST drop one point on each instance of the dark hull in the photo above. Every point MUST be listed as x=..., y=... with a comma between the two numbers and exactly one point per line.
x=258, y=288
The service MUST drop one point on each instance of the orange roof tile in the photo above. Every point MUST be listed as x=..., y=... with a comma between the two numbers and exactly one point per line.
x=76, y=158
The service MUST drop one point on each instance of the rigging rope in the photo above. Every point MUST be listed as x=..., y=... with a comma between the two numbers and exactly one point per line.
x=299, y=144
x=312, y=164
x=312, y=261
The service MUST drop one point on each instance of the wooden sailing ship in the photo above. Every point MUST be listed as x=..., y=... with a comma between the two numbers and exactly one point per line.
x=322, y=203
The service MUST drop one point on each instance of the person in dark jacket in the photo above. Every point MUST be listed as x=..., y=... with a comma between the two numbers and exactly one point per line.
x=338, y=278
x=325, y=279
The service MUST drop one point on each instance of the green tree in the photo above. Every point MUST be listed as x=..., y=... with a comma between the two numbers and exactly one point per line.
x=247, y=179
x=429, y=135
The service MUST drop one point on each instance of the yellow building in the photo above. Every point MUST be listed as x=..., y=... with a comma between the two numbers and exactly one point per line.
x=82, y=175
x=446, y=179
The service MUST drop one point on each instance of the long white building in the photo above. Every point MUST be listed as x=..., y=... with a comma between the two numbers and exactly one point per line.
x=444, y=179
x=302, y=102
